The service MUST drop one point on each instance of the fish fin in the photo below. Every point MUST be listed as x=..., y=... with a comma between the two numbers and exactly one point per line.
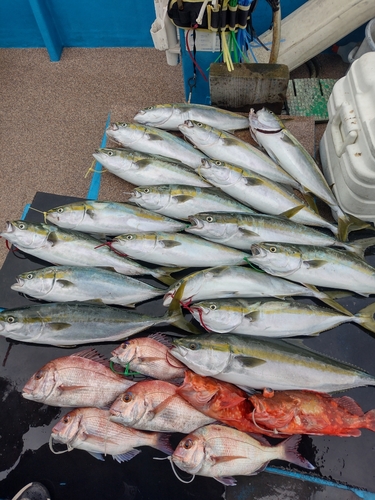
x=328, y=298
x=59, y=326
x=366, y=316
x=93, y=355
x=222, y=459
x=169, y=243
x=125, y=457
x=98, y=456
x=290, y=453
x=292, y=211
x=175, y=315
x=350, y=405
x=359, y=246
x=52, y=238
x=68, y=388
x=310, y=200
x=250, y=181
x=370, y=420
x=230, y=141
x=313, y=264
x=252, y=316
x=65, y=283
x=234, y=401
x=90, y=213
x=145, y=162
x=163, y=274
x=153, y=136
x=163, y=443
x=247, y=232
x=182, y=198
x=226, y=480
x=348, y=223
x=250, y=362
x=161, y=338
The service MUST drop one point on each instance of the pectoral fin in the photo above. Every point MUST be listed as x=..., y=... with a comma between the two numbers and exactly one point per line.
x=292, y=211
x=314, y=264
x=65, y=283
x=169, y=243
x=247, y=232
x=250, y=362
x=182, y=198
x=58, y=326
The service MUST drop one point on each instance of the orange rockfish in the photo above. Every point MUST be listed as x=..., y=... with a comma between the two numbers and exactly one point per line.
x=220, y=452
x=82, y=379
x=149, y=356
x=154, y=405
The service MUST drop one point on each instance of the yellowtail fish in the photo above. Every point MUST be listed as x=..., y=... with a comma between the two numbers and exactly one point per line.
x=221, y=452
x=154, y=405
x=220, y=145
x=149, y=356
x=110, y=218
x=83, y=284
x=170, y=116
x=90, y=429
x=240, y=230
x=273, y=318
x=67, y=247
x=269, y=131
x=72, y=323
x=153, y=140
x=257, y=363
x=318, y=266
x=237, y=281
x=83, y=379
x=180, y=250
x=183, y=201
x=261, y=194
x=143, y=169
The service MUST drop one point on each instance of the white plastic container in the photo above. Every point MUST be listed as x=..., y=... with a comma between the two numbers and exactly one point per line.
x=347, y=148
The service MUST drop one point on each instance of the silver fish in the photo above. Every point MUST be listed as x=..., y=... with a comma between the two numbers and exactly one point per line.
x=183, y=201
x=90, y=429
x=110, y=218
x=220, y=145
x=78, y=283
x=143, y=169
x=260, y=193
x=66, y=247
x=242, y=230
x=154, y=405
x=83, y=379
x=170, y=116
x=221, y=452
x=268, y=130
x=238, y=281
x=153, y=140
x=257, y=363
x=70, y=324
x=273, y=318
x=318, y=266
x=180, y=250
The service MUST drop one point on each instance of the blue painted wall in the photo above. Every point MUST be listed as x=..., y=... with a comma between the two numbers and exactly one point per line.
x=79, y=23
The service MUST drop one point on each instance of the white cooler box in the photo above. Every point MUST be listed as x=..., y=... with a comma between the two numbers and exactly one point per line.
x=347, y=148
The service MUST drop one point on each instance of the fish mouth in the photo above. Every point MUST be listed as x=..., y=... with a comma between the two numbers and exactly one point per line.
x=19, y=284
x=256, y=251
x=195, y=223
x=113, y=126
x=187, y=124
x=9, y=227
x=136, y=194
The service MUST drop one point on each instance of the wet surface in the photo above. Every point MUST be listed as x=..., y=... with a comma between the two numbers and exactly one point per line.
x=25, y=426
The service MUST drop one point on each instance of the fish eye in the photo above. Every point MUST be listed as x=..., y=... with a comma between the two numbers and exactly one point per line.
x=218, y=163
x=110, y=153
x=209, y=219
x=129, y=236
x=146, y=190
x=193, y=346
x=188, y=444
x=66, y=419
x=127, y=397
x=149, y=108
x=200, y=124
x=30, y=276
x=273, y=249
x=21, y=226
x=212, y=307
x=39, y=375
x=11, y=319
x=60, y=210
x=123, y=124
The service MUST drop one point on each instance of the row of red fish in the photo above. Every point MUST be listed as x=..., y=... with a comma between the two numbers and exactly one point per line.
x=114, y=415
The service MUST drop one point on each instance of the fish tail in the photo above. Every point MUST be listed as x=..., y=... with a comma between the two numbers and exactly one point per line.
x=163, y=274
x=291, y=454
x=359, y=246
x=348, y=223
x=163, y=443
x=175, y=315
x=366, y=317
x=370, y=420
